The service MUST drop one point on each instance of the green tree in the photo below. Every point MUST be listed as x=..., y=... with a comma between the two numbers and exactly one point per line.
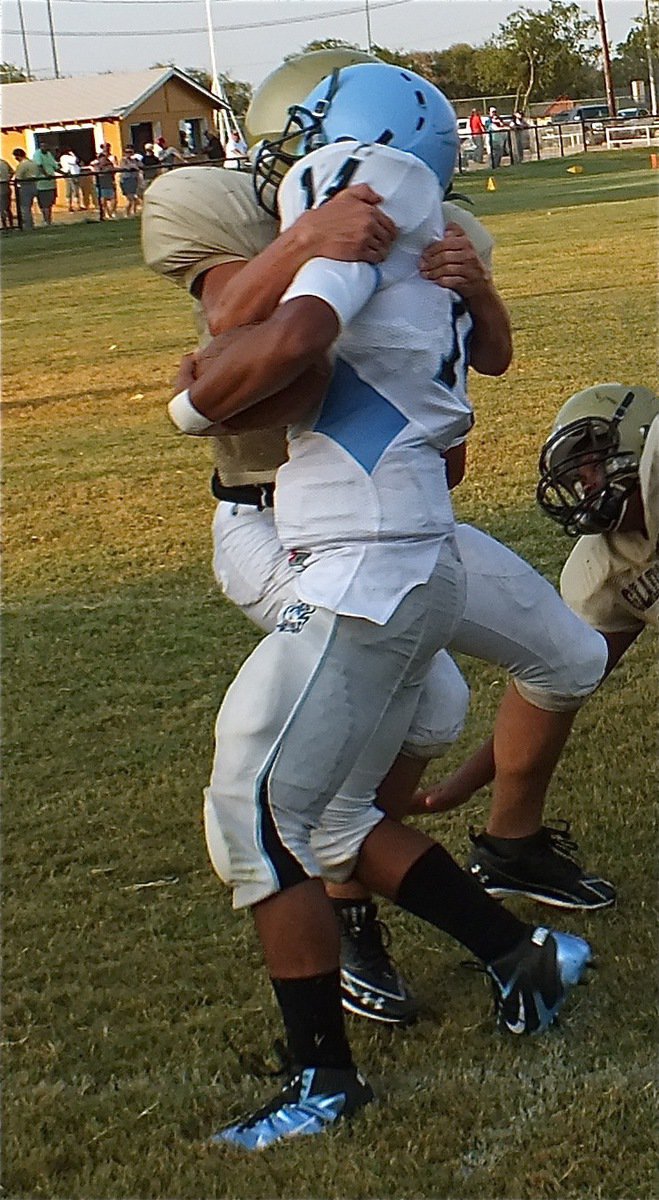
x=550, y=53
x=630, y=59
x=12, y=74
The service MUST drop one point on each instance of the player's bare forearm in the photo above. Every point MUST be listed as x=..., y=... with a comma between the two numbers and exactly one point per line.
x=453, y=263
x=472, y=775
x=491, y=347
x=239, y=368
x=350, y=228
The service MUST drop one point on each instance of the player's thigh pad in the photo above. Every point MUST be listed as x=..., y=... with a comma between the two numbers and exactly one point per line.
x=250, y=563
x=441, y=710
x=295, y=721
x=514, y=618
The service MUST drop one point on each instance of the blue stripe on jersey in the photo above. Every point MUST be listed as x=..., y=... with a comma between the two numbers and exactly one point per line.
x=357, y=417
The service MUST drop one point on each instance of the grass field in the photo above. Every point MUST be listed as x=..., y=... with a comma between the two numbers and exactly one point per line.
x=137, y=1017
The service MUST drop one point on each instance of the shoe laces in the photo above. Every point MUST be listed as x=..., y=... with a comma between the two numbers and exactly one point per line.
x=372, y=937
x=559, y=840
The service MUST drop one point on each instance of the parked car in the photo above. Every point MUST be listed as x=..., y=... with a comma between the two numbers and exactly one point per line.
x=581, y=112
x=467, y=144
x=632, y=114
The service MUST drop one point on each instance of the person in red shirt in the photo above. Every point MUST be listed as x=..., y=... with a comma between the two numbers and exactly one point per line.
x=477, y=130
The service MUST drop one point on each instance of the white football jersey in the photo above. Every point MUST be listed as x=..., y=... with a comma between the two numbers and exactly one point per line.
x=365, y=486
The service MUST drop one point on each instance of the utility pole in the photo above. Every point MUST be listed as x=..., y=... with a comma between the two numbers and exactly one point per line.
x=24, y=39
x=52, y=38
x=606, y=59
x=648, y=50
x=369, y=40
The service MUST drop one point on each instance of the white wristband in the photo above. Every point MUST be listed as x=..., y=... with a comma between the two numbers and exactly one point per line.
x=186, y=417
x=345, y=286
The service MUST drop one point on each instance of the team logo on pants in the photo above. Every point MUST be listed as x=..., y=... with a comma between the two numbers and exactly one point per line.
x=293, y=617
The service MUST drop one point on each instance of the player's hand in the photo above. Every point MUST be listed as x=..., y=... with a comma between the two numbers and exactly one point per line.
x=453, y=263
x=350, y=227
x=438, y=798
x=187, y=372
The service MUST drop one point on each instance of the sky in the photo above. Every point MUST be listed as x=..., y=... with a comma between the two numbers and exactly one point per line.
x=116, y=35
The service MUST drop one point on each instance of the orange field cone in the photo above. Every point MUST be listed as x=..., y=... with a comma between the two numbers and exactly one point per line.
x=491, y=185
x=654, y=162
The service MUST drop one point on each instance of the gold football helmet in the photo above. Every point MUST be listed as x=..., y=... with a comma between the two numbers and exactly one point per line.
x=589, y=465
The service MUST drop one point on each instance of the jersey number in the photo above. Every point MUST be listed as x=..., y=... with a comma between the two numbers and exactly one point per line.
x=452, y=369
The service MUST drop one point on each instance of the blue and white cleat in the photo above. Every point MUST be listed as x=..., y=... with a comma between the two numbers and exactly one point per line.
x=531, y=983
x=313, y=1099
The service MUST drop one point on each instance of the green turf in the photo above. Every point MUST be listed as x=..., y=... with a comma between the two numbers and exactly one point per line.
x=136, y=1013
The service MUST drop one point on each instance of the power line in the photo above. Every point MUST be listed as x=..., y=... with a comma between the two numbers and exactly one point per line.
x=336, y=12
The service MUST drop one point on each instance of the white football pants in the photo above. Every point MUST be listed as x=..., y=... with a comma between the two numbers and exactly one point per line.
x=308, y=729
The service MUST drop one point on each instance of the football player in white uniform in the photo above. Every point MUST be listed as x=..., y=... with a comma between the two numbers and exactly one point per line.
x=511, y=619
x=363, y=503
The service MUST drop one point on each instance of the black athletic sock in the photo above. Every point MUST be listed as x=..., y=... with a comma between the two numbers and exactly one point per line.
x=436, y=889
x=313, y=1018
x=514, y=847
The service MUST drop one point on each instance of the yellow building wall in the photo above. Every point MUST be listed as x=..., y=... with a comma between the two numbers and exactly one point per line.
x=167, y=107
x=14, y=140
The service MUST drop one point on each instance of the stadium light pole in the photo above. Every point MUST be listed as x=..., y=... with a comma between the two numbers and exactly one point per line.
x=222, y=124
x=606, y=59
x=24, y=39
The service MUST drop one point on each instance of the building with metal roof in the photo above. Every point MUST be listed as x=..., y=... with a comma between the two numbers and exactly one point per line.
x=85, y=111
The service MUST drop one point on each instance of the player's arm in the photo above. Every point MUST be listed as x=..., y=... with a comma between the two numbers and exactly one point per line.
x=349, y=228
x=245, y=365
x=453, y=263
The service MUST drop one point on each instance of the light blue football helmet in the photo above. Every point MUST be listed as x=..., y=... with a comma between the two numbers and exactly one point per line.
x=379, y=102
x=367, y=102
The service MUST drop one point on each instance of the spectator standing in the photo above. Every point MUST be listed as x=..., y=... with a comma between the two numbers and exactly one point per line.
x=212, y=147
x=105, y=185
x=150, y=163
x=6, y=173
x=159, y=147
x=235, y=149
x=498, y=136
x=477, y=130
x=519, y=136
x=107, y=150
x=130, y=179
x=69, y=165
x=185, y=149
x=25, y=176
x=46, y=183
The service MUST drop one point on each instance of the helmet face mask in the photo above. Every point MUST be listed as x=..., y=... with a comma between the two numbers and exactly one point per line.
x=585, y=478
x=269, y=112
x=301, y=134
x=589, y=466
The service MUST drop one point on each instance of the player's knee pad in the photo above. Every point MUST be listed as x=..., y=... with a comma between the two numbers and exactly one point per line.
x=344, y=826
x=441, y=712
x=572, y=679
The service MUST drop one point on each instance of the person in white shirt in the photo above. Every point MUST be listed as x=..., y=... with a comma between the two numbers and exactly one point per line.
x=69, y=164
x=235, y=149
